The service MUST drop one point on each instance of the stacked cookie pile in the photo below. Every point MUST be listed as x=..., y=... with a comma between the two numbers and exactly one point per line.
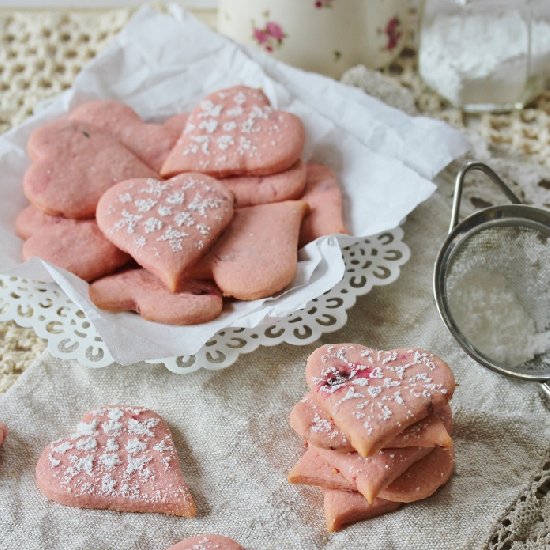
x=377, y=428
x=166, y=219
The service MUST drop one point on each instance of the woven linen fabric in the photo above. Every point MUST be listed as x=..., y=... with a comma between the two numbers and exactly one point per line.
x=236, y=447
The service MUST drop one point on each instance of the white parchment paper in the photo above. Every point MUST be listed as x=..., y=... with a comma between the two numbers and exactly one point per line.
x=161, y=64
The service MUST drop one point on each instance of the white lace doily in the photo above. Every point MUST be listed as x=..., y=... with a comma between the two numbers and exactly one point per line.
x=44, y=307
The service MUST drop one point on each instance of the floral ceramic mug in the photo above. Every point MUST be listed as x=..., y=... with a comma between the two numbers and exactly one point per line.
x=326, y=36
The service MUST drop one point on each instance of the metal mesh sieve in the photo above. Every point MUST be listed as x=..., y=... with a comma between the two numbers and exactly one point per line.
x=492, y=284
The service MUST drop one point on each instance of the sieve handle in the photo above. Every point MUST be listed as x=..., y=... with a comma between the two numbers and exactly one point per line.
x=459, y=184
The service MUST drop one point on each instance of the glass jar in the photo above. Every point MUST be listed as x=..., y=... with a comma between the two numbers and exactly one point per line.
x=485, y=55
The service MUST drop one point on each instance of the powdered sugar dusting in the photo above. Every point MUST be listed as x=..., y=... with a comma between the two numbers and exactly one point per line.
x=125, y=453
x=158, y=212
x=373, y=388
x=224, y=126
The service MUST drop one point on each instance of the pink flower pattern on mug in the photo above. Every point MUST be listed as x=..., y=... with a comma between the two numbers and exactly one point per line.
x=323, y=3
x=269, y=37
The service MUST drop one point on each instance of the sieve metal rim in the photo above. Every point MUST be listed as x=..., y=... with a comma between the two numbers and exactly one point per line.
x=517, y=215
x=450, y=248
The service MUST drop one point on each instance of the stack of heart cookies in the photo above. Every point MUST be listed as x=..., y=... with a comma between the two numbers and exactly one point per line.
x=377, y=428
x=168, y=219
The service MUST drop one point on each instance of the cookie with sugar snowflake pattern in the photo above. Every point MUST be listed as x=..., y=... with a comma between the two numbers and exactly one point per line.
x=207, y=542
x=312, y=423
x=139, y=290
x=73, y=164
x=257, y=256
x=371, y=395
x=120, y=458
x=166, y=226
x=235, y=132
x=287, y=185
x=77, y=246
x=149, y=142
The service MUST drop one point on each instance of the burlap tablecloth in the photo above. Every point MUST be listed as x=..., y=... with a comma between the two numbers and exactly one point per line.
x=232, y=432
x=235, y=444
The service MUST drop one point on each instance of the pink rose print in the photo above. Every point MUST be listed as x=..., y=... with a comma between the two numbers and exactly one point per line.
x=323, y=4
x=393, y=32
x=270, y=37
x=260, y=36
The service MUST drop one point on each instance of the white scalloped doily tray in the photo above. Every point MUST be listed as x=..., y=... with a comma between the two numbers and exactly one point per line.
x=44, y=307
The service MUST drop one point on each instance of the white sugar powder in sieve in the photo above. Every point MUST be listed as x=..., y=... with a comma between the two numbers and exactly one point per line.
x=482, y=57
x=491, y=316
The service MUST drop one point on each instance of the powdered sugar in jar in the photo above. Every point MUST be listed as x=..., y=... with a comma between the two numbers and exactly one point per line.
x=485, y=54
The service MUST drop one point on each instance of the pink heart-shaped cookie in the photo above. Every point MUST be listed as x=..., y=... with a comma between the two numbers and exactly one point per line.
x=149, y=142
x=73, y=165
x=311, y=469
x=77, y=246
x=324, y=197
x=32, y=220
x=257, y=256
x=371, y=475
x=287, y=185
x=372, y=396
x=423, y=478
x=177, y=123
x=207, y=542
x=120, y=458
x=139, y=290
x=235, y=132
x=166, y=226
x=343, y=508
x=312, y=423
x=419, y=481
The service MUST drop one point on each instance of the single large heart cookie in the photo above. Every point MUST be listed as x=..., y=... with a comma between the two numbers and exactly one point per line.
x=139, y=290
x=372, y=396
x=73, y=165
x=120, y=458
x=166, y=226
x=149, y=142
x=77, y=246
x=257, y=255
x=234, y=132
x=313, y=424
